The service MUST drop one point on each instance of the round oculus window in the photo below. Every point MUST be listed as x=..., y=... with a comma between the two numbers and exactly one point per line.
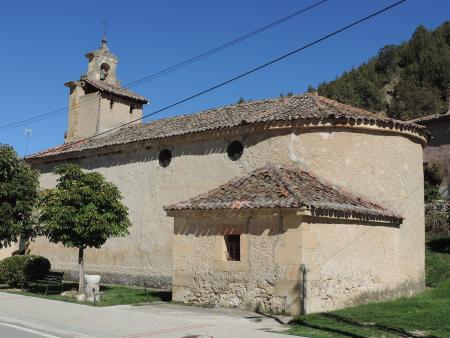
x=235, y=150
x=165, y=157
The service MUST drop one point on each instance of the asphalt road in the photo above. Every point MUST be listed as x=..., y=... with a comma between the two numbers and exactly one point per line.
x=15, y=331
x=30, y=317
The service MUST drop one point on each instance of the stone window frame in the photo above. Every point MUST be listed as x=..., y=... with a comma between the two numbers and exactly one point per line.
x=233, y=246
x=221, y=262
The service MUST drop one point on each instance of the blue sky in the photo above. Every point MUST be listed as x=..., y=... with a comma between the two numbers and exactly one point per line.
x=43, y=45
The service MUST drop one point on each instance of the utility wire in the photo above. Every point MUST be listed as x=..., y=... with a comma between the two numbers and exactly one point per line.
x=295, y=51
x=168, y=69
x=224, y=46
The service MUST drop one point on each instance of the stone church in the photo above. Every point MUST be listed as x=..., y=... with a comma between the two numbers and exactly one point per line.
x=291, y=204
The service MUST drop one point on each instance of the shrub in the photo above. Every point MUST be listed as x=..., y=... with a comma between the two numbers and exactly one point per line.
x=433, y=175
x=37, y=268
x=16, y=269
x=13, y=269
x=431, y=193
x=436, y=220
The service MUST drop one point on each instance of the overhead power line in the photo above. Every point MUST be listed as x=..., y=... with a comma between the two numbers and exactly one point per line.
x=237, y=77
x=167, y=70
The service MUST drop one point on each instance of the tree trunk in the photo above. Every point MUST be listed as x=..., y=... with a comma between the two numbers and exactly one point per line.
x=81, y=271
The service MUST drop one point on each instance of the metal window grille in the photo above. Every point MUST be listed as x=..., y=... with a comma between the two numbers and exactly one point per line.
x=233, y=243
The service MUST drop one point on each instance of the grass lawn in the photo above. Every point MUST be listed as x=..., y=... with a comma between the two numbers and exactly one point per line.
x=424, y=315
x=110, y=294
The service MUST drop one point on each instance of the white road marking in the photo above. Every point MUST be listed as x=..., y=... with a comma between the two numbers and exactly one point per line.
x=46, y=335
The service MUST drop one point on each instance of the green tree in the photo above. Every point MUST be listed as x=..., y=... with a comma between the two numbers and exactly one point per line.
x=410, y=99
x=18, y=197
x=311, y=89
x=84, y=210
x=387, y=59
x=405, y=81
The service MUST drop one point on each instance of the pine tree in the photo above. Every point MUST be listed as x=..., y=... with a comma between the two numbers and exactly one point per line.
x=405, y=81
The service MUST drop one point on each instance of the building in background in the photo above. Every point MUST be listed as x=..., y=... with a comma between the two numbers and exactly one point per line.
x=438, y=147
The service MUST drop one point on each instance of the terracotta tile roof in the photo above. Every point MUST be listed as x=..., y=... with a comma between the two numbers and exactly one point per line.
x=119, y=91
x=282, y=186
x=431, y=118
x=309, y=108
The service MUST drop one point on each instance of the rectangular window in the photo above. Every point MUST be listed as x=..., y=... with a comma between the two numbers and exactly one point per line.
x=233, y=243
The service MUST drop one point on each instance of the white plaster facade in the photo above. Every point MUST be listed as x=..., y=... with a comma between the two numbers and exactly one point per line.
x=385, y=167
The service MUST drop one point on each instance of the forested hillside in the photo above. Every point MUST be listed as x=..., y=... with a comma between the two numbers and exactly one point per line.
x=404, y=81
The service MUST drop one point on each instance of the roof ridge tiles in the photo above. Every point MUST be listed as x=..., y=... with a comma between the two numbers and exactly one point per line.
x=114, y=90
x=278, y=171
x=304, y=107
x=255, y=191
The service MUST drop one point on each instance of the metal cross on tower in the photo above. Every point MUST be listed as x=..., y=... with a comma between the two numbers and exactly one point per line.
x=105, y=28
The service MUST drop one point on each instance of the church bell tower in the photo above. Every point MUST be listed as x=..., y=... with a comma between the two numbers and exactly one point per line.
x=102, y=65
x=97, y=102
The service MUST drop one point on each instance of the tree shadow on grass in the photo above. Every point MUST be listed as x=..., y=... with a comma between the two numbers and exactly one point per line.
x=108, y=290
x=162, y=295
x=40, y=288
x=441, y=245
x=301, y=322
x=165, y=296
x=397, y=331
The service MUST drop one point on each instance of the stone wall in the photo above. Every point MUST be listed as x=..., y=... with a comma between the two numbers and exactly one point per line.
x=96, y=112
x=354, y=264
x=116, y=111
x=262, y=279
x=289, y=263
x=387, y=170
x=7, y=252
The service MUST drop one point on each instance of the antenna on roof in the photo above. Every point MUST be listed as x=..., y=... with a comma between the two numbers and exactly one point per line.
x=28, y=135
